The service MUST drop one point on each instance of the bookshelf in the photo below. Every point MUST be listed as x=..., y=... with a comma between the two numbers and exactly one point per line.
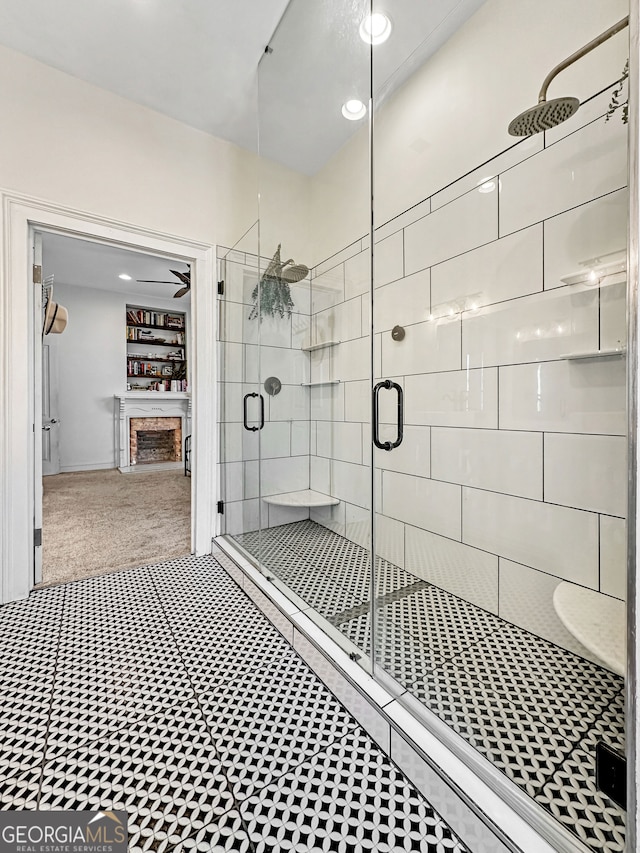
x=156, y=350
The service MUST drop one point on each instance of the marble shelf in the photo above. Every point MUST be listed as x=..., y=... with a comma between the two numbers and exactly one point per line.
x=596, y=620
x=305, y=497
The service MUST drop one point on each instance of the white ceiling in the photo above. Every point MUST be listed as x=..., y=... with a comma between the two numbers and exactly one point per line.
x=83, y=263
x=196, y=60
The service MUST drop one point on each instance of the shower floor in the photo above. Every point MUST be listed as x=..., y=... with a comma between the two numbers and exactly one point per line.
x=533, y=709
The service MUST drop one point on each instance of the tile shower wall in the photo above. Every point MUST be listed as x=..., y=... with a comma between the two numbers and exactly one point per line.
x=511, y=476
x=243, y=366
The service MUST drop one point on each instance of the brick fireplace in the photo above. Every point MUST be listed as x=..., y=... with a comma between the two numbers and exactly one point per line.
x=155, y=439
x=151, y=412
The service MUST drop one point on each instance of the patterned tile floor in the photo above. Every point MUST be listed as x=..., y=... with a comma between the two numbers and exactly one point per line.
x=533, y=709
x=164, y=691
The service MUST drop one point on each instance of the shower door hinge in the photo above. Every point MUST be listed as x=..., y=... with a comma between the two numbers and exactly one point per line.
x=611, y=773
x=37, y=537
x=221, y=288
x=37, y=274
x=221, y=507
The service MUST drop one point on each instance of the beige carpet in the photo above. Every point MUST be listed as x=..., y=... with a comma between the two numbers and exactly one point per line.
x=97, y=521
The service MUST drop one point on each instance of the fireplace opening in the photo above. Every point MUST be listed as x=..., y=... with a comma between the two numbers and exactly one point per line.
x=155, y=440
x=156, y=446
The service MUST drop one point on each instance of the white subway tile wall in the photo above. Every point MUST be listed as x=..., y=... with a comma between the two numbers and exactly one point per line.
x=278, y=453
x=494, y=460
x=551, y=538
x=467, y=572
x=526, y=598
x=503, y=269
x=511, y=474
x=458, y=227
x=577, y=169
x=613, y=556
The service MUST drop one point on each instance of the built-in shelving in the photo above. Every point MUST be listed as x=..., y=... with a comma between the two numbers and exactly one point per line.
x=155, y=331
x=325, y=345
x=151, y=358
x=595, y=620
x=157, y=343
x=596, y=353
x=305, y=497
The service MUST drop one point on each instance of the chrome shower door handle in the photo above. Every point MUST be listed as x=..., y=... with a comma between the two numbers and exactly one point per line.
x=388, y=385
x=245, y=404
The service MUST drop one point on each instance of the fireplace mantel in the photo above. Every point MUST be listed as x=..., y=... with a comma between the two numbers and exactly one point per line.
x=150, y=404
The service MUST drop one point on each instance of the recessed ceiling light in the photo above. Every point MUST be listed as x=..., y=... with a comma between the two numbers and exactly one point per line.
x=375, y=28
x=124, y=276
x=354, y=109
x=486, y=185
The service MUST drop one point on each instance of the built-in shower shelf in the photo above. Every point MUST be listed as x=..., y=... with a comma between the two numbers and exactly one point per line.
x=316, y=384
x=595, y=353
x=324, y=345
x=306, y=497
x=596, y=620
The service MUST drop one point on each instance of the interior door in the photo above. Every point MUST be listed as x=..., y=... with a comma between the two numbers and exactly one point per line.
x=50, y=419
x=36, y=247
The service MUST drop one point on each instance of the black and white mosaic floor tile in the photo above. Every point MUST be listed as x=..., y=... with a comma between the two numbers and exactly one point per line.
x=436, y=625
x=163, y=770
x=165, y=692
x=23, y=731
x=532, y=708
x=21, y=787
x=593, y=816
x=264, y=728
x=349, y=798
x=228, y=833
x=330, y=573
x=572, y=798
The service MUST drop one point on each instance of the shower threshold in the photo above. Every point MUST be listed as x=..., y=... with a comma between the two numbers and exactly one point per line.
x=515, y=698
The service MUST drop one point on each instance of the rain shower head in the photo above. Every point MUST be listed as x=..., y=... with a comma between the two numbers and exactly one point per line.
x=543, y=116
x=547, y=114
x=294, y=273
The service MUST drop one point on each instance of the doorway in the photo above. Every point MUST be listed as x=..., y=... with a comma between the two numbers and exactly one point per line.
x=127, y=347
x=23, y=216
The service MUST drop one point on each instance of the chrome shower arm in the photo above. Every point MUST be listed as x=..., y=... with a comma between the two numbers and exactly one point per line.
x=616, y=28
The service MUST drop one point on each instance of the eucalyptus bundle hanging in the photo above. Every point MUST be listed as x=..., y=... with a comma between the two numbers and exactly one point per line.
x=617, y=94
x=272, y=295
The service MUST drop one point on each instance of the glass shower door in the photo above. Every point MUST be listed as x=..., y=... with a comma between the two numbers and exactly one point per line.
x=500, y=312
x=242, y=401
x=315, y=354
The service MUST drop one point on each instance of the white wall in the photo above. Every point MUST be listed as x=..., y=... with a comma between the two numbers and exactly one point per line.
x=72, y=143
x=92, y=367
x=452, y=114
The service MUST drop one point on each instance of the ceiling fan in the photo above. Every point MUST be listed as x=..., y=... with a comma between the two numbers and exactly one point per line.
x=184, y=277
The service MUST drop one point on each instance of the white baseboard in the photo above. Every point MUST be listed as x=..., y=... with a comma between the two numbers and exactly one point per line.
x=97, y=466
x=146, y=468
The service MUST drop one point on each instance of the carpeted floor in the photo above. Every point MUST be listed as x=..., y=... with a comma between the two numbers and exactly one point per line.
x=98, y=521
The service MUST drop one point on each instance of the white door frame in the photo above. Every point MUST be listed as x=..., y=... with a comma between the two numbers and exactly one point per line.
x=20, y=214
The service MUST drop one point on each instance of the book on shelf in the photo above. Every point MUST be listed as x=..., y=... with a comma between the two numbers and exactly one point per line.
x=159, y=364
x=145, y=317
x=160, y=385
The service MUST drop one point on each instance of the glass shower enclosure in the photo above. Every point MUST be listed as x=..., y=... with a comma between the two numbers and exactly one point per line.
x=423, y=374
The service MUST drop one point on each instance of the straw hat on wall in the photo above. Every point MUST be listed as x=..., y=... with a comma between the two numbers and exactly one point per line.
x=55, y=318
